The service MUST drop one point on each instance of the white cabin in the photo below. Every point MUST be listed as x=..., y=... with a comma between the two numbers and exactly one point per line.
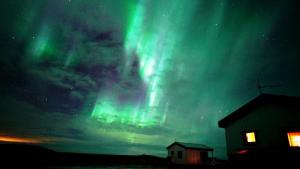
x=188, y=153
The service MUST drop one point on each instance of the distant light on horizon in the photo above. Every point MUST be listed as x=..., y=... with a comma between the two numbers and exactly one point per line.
x=12, y=139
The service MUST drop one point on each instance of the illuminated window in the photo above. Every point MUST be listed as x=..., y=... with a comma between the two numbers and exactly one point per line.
x=294, y=139
x=250, y=137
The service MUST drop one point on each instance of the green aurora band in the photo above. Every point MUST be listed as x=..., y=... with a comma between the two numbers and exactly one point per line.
x=155, y=34
x=154, y=44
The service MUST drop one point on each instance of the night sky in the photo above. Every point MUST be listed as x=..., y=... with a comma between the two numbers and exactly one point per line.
x=132, y=76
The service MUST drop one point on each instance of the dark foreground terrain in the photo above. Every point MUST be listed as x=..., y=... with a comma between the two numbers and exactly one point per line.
x=33, y=156
x=37, y=157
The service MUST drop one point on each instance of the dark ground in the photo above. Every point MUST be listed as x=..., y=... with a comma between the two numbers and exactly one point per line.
x=33, y=156
x=37, y=157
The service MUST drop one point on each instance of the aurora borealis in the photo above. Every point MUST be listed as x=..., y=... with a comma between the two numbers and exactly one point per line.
x=132, y=76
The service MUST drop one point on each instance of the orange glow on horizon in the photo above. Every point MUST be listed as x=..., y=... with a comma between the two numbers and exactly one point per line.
x=12, y=139
x=294, y=139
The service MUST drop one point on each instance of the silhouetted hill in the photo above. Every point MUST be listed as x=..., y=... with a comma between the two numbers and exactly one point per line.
x=26, y=154
x=103, y=159
x=33, y=155
x=24, y=149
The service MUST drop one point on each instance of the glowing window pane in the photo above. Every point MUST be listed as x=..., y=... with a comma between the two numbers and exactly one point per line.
x=294, y=139
x=250, y=136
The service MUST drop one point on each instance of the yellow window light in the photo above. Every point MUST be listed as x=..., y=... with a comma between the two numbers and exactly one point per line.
x=250, y=136
x=294, y=139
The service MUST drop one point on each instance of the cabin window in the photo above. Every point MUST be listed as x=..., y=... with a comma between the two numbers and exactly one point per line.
x=172, y=153
x=179, y=154
x=249, y=137
x=294, y=139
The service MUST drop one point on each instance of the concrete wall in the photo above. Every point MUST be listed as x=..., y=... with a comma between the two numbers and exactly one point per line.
x=270, y=123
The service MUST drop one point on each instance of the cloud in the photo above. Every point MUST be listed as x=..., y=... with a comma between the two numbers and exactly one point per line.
x=64, y=78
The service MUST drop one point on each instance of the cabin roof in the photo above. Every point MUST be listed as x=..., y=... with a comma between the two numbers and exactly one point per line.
x=256, y=102
x=191, y=146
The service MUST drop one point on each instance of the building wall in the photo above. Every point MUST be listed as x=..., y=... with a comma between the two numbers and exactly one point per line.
x=193, y=156
x=270, y=123
x=189, y=156
x=174, y=158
